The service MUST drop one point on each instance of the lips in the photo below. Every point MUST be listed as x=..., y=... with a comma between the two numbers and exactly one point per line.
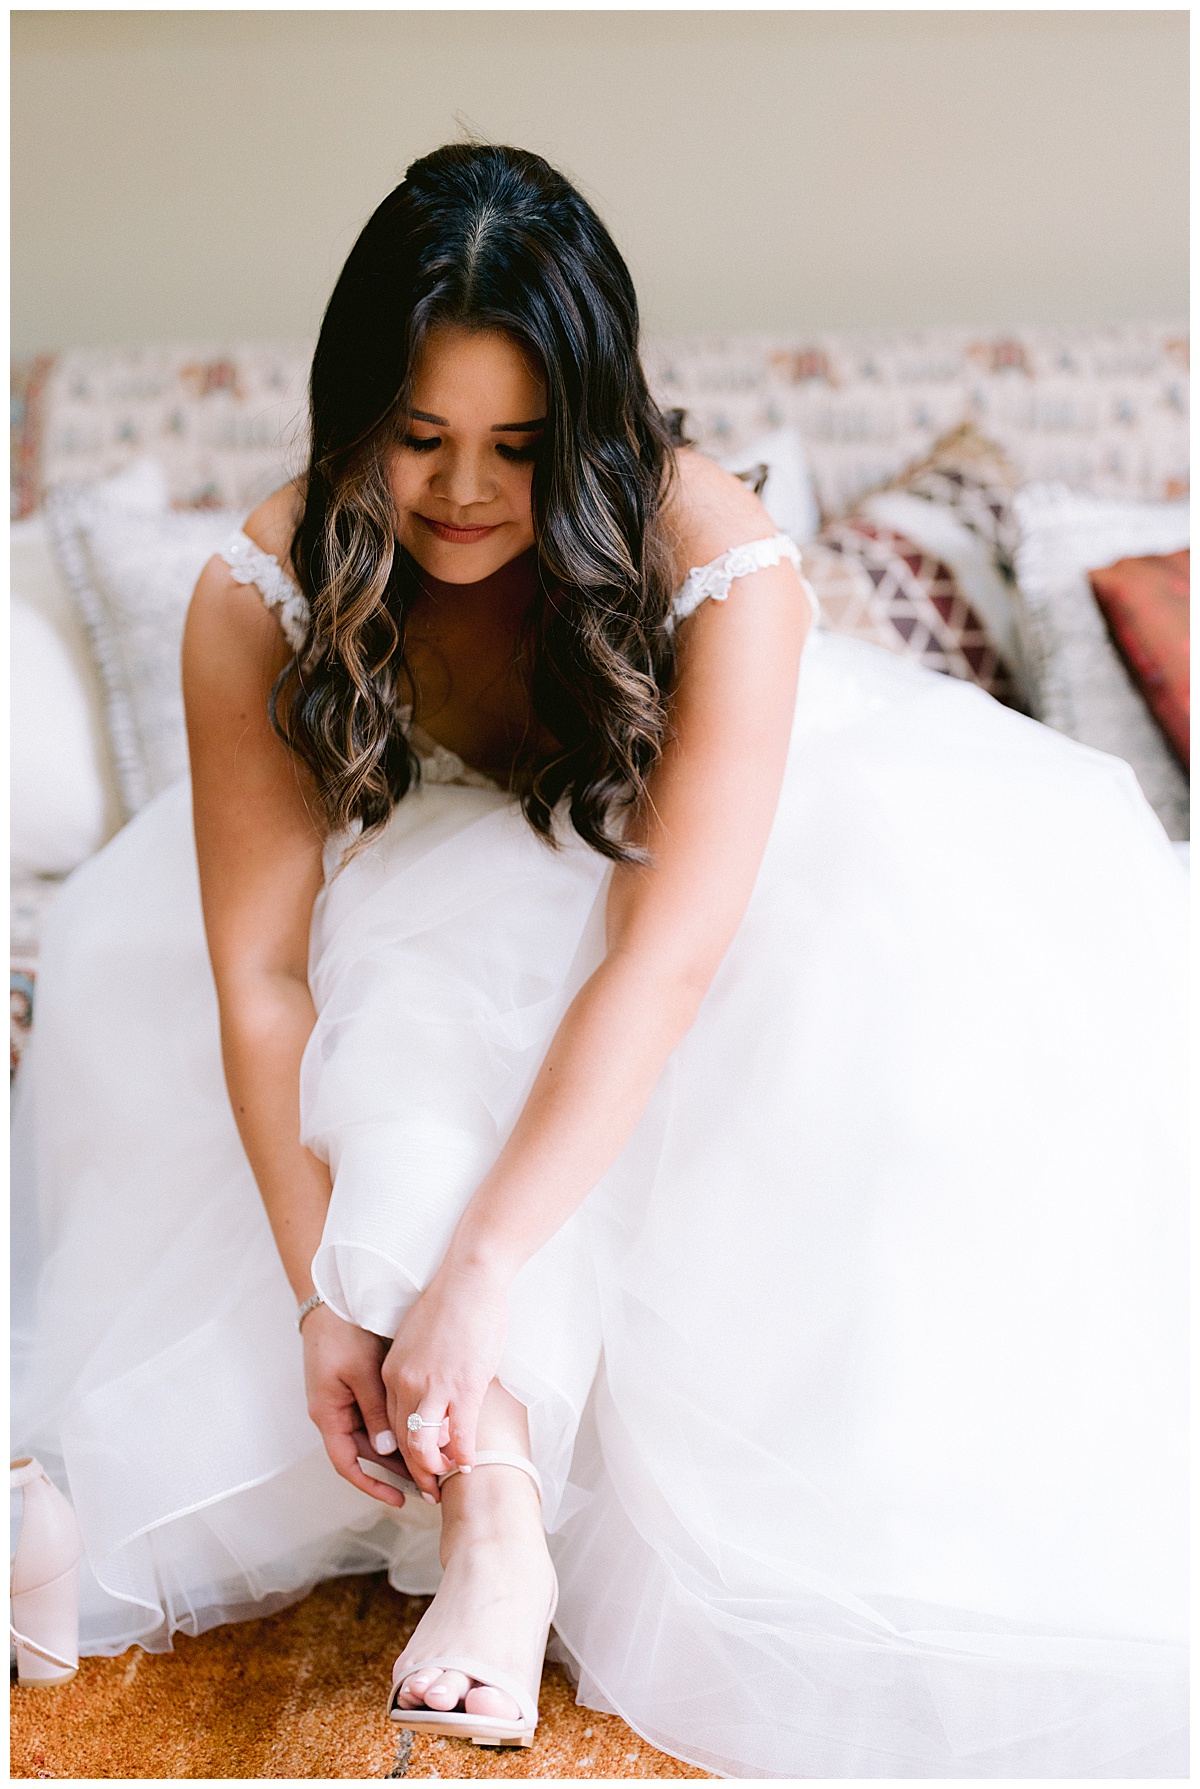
x=463, y=537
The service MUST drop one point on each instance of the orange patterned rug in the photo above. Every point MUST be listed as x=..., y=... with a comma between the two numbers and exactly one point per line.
x=298, y=1694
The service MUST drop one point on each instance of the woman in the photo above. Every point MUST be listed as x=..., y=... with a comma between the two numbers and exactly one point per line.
x=758, y=1112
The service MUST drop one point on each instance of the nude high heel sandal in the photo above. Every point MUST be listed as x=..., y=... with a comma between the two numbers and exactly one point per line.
x=44, y=1582
x=481, y=1729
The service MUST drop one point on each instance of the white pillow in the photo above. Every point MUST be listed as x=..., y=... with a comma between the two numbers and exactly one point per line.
x=131, y=565
x=1078, y=679
x=58, y=799
x=64, y=801
x=789, y=495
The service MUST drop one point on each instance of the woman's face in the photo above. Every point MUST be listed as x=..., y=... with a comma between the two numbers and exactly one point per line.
x=461, y=477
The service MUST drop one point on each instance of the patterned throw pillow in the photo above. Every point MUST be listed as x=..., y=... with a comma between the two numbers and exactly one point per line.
x=877, y=585
x=974, y=478
x=923, y=565
x=1145, y=602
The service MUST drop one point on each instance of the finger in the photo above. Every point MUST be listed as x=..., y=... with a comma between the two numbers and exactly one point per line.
x=423, y=1462
x=464, y=1426
x=425, y=1446
x=343, y=1451
x=425, y=1481
x=368, y=1458
x=428, y=1451
x=399, y=1400
x=372, y=1404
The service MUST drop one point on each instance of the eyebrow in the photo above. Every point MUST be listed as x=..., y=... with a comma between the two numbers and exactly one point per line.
x=500, y=428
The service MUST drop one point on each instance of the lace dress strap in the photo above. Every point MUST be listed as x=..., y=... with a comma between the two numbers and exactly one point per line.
x=713, y=580
x=281, y=593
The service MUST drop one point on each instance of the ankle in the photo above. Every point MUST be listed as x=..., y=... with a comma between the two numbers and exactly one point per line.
x=497, y=1504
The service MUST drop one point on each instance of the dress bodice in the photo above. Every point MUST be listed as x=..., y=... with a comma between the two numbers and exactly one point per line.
x=250, y=564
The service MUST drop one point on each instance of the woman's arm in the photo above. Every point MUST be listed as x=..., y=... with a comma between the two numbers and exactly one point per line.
x=711, y=804
x=259, y=849
x=259, y=854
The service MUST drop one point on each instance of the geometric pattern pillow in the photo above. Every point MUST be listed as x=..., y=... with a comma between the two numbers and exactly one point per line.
x=876, y=585
x=973, y=478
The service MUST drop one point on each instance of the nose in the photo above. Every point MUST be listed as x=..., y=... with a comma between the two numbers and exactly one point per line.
x=462, y=478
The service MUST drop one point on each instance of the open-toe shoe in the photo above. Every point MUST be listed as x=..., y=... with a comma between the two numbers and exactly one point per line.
x=481, y=1729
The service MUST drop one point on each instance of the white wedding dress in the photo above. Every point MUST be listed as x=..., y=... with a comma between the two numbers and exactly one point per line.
x=857, y=1384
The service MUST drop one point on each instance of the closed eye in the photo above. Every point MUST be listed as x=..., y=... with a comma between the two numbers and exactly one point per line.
x=427, y=443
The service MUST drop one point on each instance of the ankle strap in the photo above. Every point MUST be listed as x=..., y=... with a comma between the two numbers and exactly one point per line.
x=491, y=1459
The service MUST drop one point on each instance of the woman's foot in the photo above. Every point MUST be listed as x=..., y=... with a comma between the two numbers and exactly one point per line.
x=493, y=1598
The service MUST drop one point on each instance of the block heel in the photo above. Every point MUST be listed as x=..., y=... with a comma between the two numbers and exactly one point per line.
x=44, y=1581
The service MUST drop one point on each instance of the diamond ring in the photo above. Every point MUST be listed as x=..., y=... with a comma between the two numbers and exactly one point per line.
x=415, y=1424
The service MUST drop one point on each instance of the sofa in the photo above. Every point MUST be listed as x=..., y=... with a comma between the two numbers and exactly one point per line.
x=953, y=491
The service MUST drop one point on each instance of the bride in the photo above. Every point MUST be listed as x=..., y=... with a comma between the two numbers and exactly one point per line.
x=714, y=1112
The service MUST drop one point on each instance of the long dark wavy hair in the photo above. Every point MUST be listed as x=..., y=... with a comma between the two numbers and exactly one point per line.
x=488, y=238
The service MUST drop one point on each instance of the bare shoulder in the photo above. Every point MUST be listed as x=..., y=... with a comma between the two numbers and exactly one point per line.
x=708, y=511
x=230, y=630
x=272, y=525
x=228, y=615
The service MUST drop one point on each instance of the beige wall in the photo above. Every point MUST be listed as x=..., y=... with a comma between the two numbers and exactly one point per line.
x=202, y=174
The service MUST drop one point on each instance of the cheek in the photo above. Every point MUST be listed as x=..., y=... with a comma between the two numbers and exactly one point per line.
x=518, y=488
x=406, y=479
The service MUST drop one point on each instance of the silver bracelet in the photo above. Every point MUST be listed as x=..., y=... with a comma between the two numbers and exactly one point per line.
x=310, y=1304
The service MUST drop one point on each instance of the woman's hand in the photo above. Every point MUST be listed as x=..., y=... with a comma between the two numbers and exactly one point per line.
x=445, y=1355
x=346, y=1398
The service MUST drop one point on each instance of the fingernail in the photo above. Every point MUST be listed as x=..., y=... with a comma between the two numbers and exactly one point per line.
x=385, y=1442
x=464, y=1469
x=429, y=1497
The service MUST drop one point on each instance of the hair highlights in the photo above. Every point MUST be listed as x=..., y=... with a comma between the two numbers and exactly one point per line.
x=488, y=238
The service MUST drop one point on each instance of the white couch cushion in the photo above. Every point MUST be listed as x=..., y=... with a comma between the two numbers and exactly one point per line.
x=64, y=797
x=789, y=495
x=1079, y=682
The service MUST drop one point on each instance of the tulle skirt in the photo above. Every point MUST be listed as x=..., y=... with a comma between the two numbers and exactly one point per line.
x=857, y=1384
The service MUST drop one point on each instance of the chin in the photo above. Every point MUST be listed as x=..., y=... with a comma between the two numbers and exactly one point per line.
x=465, y=564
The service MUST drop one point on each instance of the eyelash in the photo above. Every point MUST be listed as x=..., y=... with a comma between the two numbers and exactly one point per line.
x=429, y=442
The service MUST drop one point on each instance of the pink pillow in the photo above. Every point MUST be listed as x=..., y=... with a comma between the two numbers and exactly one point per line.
x=1145, y=603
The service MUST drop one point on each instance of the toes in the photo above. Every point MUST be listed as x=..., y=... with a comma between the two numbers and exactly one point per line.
x=483, y=1699
x=412, y=1690
x=447, y=1691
